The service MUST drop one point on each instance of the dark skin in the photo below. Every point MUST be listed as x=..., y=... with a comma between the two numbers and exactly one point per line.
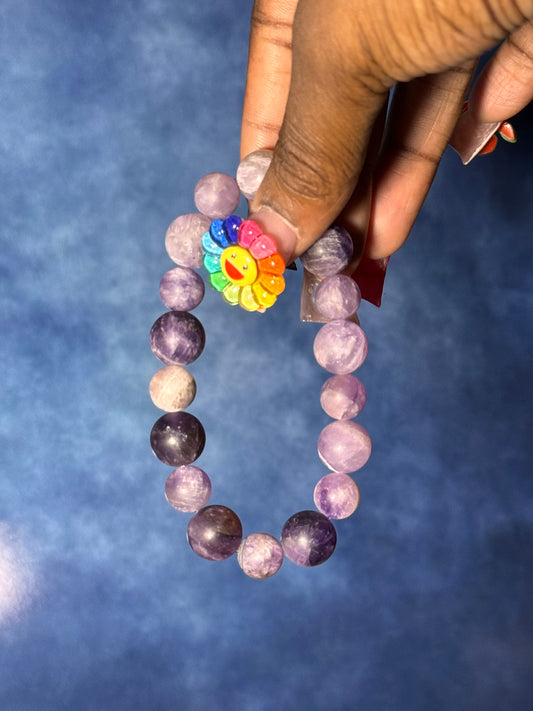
x=319, y=77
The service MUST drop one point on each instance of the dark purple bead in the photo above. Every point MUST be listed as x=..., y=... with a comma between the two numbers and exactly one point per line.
x=308, y=538
x=177, y=438
x=215, y=532
x=177, y=338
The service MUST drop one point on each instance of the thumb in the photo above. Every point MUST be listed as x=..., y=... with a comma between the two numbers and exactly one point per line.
x=323, y=141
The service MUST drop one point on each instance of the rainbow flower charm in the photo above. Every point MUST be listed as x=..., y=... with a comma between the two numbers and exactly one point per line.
x=243, y=263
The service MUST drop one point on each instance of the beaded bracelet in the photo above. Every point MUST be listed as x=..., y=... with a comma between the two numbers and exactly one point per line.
x=243, y=264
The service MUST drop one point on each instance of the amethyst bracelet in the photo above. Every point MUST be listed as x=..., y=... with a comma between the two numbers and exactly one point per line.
x=243, y=264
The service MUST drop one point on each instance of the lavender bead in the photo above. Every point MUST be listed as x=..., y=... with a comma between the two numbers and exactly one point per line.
x=183, y=240
x=177, y=338
x=188, y=488
x=338, y=296
x=340, y=346
x=251, y=172
x=177, y=438
x=308, y=538
x=215, y=532
x=181, y=289
x=336, y=495
x=343, y=397
x=217, y=195
x=172, y=388
x=330, y=254
x=344, y=446
x=260, y=555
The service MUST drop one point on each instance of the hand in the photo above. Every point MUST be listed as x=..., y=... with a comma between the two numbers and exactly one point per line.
x=335, y=155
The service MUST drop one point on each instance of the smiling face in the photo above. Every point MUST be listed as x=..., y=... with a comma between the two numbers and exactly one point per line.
x=238, y=265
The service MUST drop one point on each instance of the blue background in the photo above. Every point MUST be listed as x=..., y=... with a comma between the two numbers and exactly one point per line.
x=110, y=113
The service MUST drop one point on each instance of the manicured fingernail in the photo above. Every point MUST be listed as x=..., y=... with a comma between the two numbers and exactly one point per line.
x=370, y=277
x=283, y=233
x=470, y=137
x=507, y=132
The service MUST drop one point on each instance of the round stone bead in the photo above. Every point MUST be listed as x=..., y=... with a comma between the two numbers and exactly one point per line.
x=260, y=555
x=217, y=195
x=330, y=254
x=343, y=397
x=340, y=346
x=188, y=488
x=308, y=538
x=172, y=388
x=181, y=289
x=215, y=532
x=336, y=495
x=251, y=172
x=183, y=240
x=338, y=296
x=177, y=338
x=344, y=446
x=177, y=438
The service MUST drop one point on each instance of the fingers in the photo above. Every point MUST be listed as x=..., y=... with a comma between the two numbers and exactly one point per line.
x=421, y=119
x=505, y=86
x=269, y=69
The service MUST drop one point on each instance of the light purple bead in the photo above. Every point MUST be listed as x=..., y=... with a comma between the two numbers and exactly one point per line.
x=336, y=495
x=344, y=446
x=188, y=488
x=183, y=240
x=343, y=397
x=340, y=346
x=330, y=254
x=177, y=338
x=251, y=171
x=177, y=438
x=260, y=555
x=181, y=289
x=217, y=195
x=215, y=532
x=338, y=296
x=308, y=538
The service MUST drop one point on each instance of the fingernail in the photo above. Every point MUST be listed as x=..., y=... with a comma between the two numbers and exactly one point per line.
x=507, y=132
x=277, y=227
x=470, y=136
x=370, y=277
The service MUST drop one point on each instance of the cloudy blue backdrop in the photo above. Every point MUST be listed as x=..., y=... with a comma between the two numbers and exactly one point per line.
x=109, y=113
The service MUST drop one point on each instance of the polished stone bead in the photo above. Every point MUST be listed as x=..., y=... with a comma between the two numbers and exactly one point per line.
x=183, y=240
x=251, y=171
x=343, y=397
x=177, y=438
x=308, y=538
x=344, y=446
x=260, y=555
x=172, y=388
x=336, y=495
x=217, y=195
x=188, y=488
x=181, y=289
x=330, y=254
x=340, y=346
x=215, y=532
x=177, y=338
x=338, y=296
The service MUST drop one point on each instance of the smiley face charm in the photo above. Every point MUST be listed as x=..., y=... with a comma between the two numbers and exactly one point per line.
x=238, y=265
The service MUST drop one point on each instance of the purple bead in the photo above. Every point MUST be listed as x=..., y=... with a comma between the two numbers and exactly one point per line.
x=344, y=446
x=217, y=195
x=177, y=338
x=188, y=488
x=338, y=296
x=215, y=532
x=308, y=538
x=177, y=438
x=330, y=254
x=336, y=495
x=181, y=289
x=183, y=240
x=343, y=397
x=260, y=555
x=340, y=346
x=251, y=172
x=172, y=388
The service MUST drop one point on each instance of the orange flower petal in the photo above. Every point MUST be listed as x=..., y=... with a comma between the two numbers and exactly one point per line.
x=273, y=283
x=271, y=265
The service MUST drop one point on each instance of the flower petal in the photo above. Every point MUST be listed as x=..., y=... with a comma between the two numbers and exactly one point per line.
x=218, y=233
x=271, y=265
x=218, y=280
x=247, y=299
x=248, y=232
x=230, y=293
x=263, y=246
x=212, y=263
x=210, y=246
x=273, y=283
x=264, y=297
